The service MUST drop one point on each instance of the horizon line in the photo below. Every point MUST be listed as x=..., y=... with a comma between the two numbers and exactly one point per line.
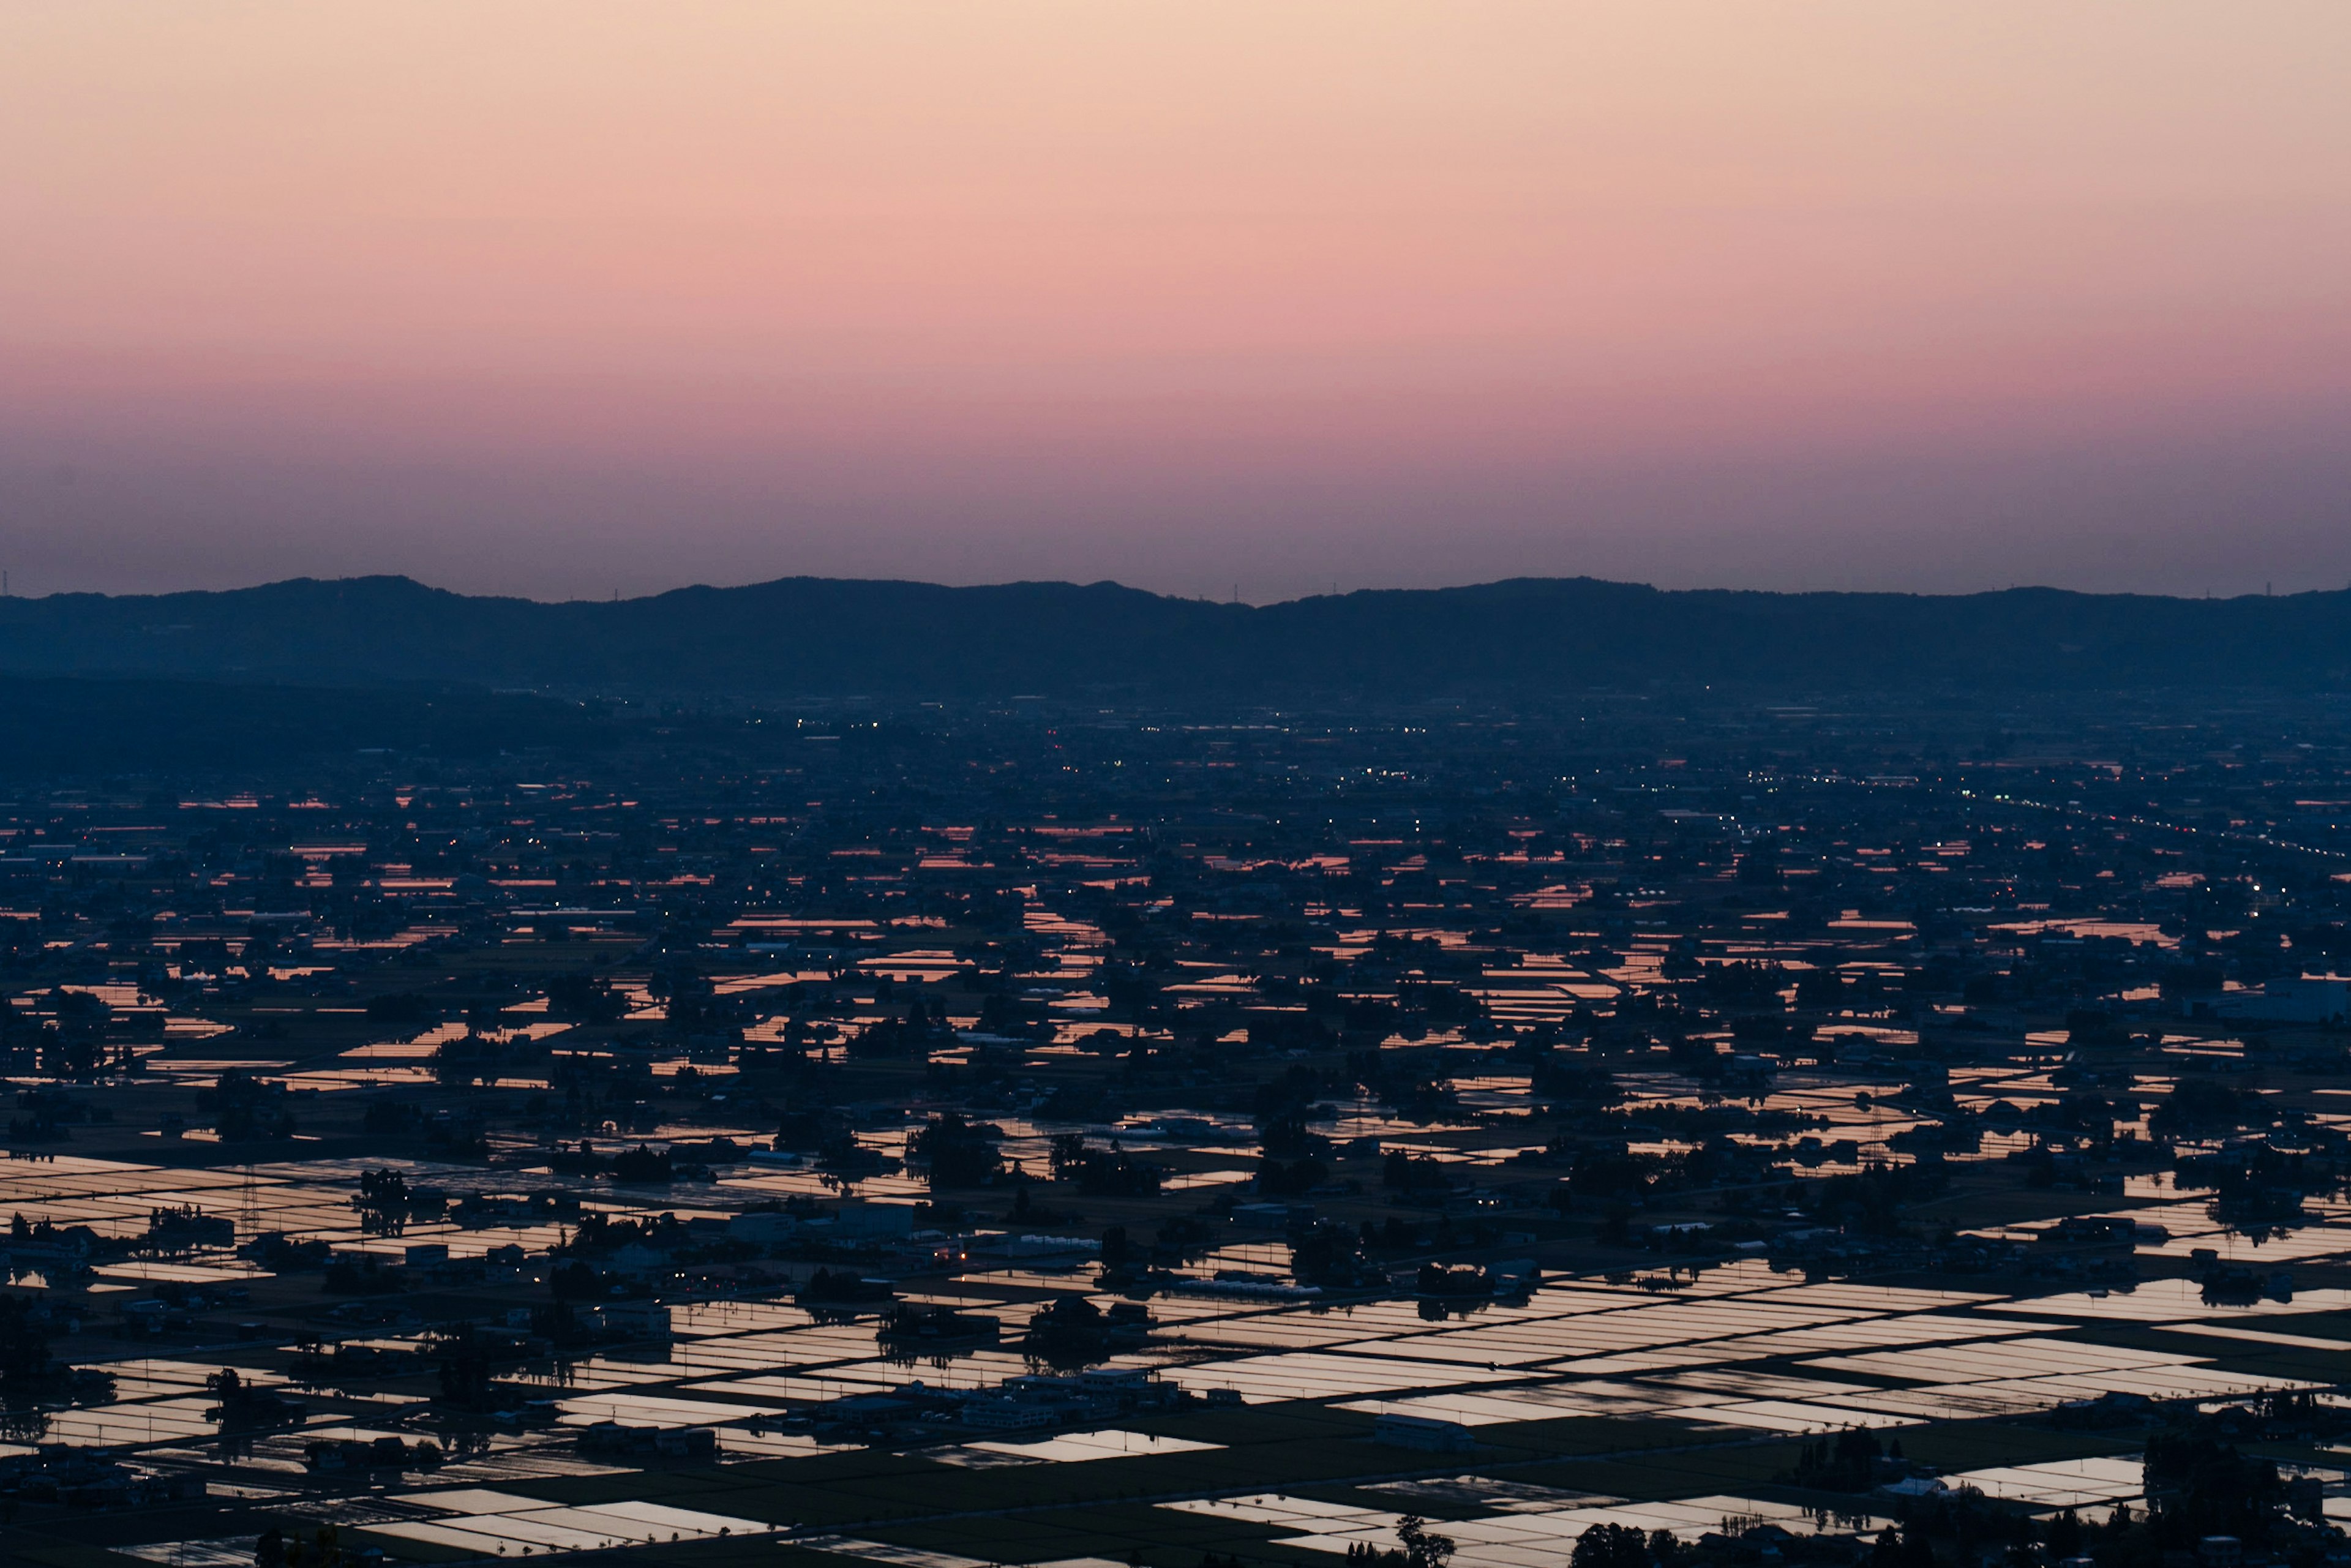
x=1235, y=604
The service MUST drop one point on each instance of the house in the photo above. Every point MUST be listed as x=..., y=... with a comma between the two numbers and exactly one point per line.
x=874, y=1222
x=637, y=1262
x=2307, y=998
x=1425, y=1433
x=614, y=1440
x=1008, y=1415
x=762, y=1229
x=632, y=1320
x=1911, y=1486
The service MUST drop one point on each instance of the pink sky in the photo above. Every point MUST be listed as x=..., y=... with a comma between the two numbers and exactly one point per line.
x=567, y=298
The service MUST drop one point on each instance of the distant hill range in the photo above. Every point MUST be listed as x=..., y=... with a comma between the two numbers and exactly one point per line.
x=813, y=637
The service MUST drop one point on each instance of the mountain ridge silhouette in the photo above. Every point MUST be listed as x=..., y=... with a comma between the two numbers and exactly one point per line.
x=819, y=637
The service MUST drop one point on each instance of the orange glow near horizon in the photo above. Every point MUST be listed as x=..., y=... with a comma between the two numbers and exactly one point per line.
x=1843, y=294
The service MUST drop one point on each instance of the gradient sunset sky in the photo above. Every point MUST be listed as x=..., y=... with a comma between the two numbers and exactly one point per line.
x=572, y=298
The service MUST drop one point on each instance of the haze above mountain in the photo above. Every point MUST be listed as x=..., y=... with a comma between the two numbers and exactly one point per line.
x=813, y=637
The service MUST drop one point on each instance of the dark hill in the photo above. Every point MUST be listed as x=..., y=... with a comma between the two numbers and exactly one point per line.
x=819, y=637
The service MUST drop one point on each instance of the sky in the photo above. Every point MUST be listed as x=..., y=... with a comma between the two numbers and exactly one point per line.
x=577, y=298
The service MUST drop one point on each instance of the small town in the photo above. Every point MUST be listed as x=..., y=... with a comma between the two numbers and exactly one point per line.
x=1776, y=1134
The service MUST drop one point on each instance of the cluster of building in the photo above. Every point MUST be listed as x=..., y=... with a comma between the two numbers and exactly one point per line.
x=1296, y=1010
